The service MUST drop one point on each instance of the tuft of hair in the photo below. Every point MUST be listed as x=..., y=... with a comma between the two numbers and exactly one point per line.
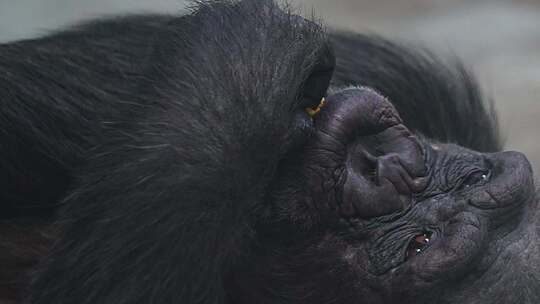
x=187, y=116
x=441, y=101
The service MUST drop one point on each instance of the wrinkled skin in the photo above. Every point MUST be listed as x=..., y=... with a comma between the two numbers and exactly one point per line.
x=371, y=188
x=171, y=159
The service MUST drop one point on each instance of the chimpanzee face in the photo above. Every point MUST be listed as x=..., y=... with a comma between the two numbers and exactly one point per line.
x=390, y=214
x=188, y=159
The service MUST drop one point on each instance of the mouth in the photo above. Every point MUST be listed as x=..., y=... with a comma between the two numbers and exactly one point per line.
x=359, y=162
x=379, y=163
x=363, y=163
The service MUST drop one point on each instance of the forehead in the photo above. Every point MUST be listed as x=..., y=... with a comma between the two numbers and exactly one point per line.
x=447, y=164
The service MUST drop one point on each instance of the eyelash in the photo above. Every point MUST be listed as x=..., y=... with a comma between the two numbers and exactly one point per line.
x=473, y=178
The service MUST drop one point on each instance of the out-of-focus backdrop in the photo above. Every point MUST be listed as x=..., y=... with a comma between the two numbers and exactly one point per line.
x=499, y=40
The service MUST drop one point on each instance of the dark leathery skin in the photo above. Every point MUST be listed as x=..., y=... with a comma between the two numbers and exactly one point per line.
x=381, y=161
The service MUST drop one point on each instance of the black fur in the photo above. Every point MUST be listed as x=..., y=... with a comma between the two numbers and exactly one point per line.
x=151, y=140
x=441, y=101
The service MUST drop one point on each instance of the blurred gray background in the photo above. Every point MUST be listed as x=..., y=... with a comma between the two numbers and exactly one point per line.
x=499, y=40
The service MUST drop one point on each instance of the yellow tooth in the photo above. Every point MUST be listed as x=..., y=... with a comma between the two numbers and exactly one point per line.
x=313, y=112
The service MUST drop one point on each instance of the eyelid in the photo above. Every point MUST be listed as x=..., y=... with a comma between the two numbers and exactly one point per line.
x=461, y=183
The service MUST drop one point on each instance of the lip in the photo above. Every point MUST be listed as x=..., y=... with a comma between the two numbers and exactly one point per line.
x=361, y=131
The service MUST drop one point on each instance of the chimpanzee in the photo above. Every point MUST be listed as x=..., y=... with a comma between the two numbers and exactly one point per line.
x=241, y=154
